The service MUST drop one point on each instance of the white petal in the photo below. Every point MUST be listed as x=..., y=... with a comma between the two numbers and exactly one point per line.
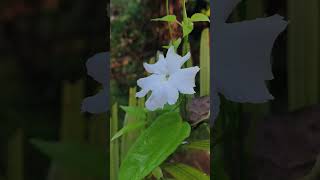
x=151, y=82
x=160, y=67
x=142, y=93
x=157, y=99
x=97, y=103
x=175, y=61
x=172, y=94
x=184, y=80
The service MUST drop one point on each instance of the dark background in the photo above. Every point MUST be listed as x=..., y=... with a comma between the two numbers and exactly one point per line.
x=43, y=50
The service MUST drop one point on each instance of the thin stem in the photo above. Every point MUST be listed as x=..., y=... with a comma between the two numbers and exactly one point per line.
x=178, y=23
x=185, y=16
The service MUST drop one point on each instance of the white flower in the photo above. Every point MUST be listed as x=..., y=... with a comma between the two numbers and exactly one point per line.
x=167, y=79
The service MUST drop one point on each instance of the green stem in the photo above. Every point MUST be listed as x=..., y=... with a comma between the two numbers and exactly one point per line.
x=185, y=16
x=168, y=13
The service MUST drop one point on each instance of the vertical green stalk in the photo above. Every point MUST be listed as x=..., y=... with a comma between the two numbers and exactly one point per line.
x=184, y=9
x=73, y=124
x=15, y=168
x=303, y=54
x=114, y=145
x=128, y=139
x=205, y=63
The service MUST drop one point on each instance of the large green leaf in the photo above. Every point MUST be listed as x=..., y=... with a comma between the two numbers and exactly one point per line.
x=128, y=128
x=185, y=172
x=81, y=158
x=154, y=145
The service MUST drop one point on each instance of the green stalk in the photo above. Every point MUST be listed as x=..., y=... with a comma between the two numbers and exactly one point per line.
x=185, y=50
x=128, y=139
x=73, y=124
x=184, y=10
x=204, y=64
x=114, y=145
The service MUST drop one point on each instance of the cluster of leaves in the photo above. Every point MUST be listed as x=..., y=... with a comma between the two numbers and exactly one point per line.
x=187, y=25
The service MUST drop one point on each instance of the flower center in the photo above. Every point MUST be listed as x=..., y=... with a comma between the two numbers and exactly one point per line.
x=167, y=77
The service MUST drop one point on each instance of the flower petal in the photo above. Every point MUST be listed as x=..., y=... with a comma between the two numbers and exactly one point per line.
x=151, y=82
x=97, y=103
x=157, y=99
x=160, y=67
x=97, y=67
x=172, y=93
x=184, y=80
x=175, y=61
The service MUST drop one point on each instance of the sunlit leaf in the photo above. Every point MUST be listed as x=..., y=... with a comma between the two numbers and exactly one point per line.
x=168, y=18
x=199, y=17
x=187, y=27
x=154, y=146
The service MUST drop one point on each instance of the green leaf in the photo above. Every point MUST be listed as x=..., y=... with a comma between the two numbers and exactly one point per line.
x=168, y=18
x=185, y=172
x=187, y=27
x=128, y=128
x=157, y=173
x=81, y=158
x=176, y=43
x=199, y=17
x=135, y=112
x=199, y=145
x=153, y=146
